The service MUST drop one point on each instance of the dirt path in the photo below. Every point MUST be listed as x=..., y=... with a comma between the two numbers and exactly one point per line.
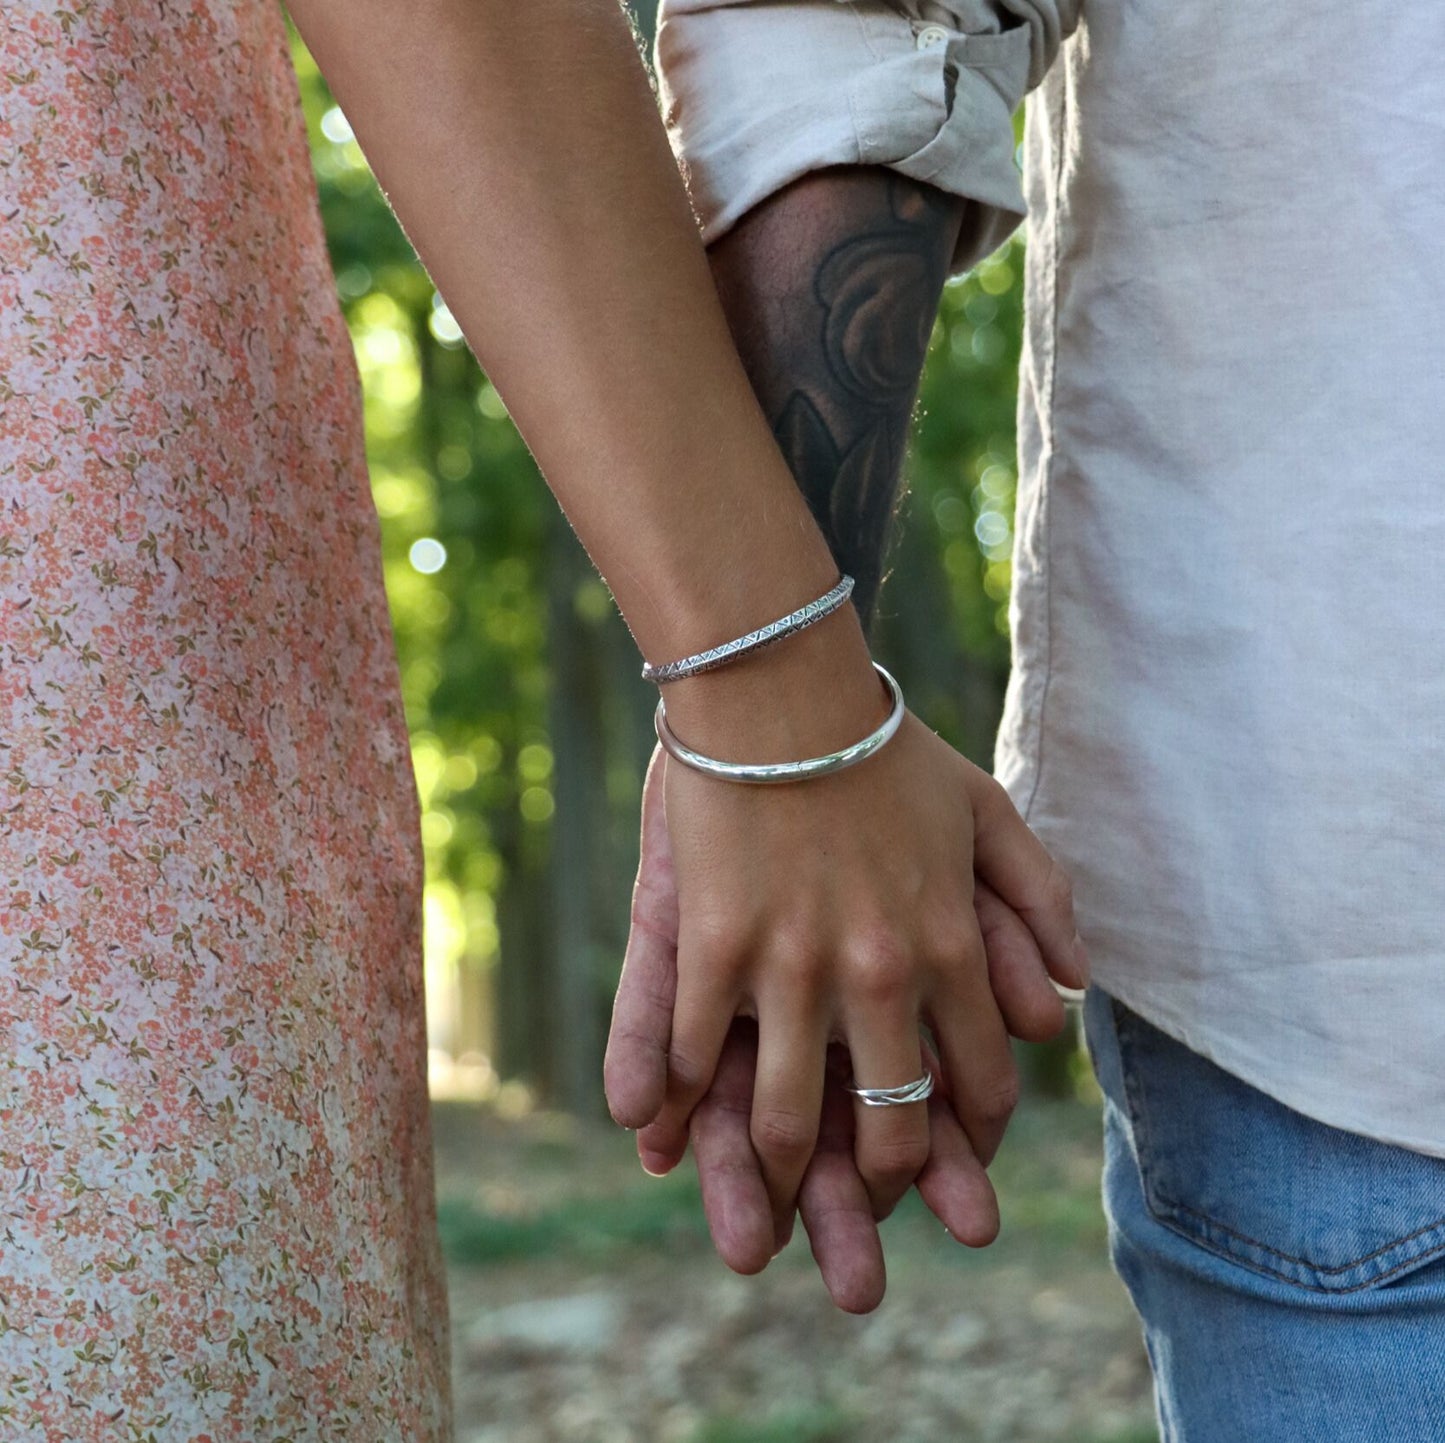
x=588, y=1306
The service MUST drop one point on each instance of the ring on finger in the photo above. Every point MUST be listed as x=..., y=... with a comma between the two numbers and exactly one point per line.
x=918, y=1091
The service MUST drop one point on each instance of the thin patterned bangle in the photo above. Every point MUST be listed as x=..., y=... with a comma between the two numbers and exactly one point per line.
x=784, y=771
x=773, y=631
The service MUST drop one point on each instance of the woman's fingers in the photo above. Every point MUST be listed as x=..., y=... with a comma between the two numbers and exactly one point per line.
x=1027, y=1000
x=634, y=1071
x=787, y=1101
x=890, y=1143
x=832, y=1201
x=1012, y=860
x=704, y=1010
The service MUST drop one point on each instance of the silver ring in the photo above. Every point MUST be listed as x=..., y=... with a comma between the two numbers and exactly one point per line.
x=895, y=1096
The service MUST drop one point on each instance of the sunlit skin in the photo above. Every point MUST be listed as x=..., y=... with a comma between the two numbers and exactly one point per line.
x=830, y=288
x=833, y=1202
x=521, y=150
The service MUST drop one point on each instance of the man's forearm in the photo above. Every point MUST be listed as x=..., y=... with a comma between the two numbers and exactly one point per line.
x=831, y=287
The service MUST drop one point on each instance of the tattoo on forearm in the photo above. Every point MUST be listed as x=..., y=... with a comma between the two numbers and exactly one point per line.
x=835, y=351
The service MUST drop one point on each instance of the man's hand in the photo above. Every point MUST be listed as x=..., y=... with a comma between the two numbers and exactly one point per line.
x=833, y=1202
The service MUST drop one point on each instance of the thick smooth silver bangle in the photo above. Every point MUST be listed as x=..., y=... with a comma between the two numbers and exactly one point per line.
x=784, y=771
x=830, y=600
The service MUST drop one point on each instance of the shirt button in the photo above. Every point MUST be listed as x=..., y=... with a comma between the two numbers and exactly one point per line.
x=932, y=35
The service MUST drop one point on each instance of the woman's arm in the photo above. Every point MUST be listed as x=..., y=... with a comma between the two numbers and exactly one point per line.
x=521, y=150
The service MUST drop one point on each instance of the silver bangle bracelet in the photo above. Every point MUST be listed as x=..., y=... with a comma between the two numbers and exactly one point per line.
x=830, y=601
x=784, y=771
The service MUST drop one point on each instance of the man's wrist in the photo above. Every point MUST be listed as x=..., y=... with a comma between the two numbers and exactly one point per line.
x=831, y=287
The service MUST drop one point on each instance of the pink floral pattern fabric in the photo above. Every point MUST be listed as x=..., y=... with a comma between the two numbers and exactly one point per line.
x=216, y=1210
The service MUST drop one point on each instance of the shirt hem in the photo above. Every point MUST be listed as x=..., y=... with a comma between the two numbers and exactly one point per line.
x=1133, y=991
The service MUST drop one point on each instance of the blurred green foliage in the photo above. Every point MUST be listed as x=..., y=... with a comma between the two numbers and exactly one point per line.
x=489, y=587
x=586, y=1228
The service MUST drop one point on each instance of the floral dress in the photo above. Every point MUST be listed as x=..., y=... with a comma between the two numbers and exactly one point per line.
x=216, y=1207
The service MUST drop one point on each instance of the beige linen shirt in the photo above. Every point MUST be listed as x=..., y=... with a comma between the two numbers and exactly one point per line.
x=1226, y=714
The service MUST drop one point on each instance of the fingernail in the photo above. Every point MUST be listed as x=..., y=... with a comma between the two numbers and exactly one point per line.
x=1081, y=961
x=655, y=1164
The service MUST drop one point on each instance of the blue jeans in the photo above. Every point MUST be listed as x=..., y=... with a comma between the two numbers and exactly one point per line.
x=1290, y=1276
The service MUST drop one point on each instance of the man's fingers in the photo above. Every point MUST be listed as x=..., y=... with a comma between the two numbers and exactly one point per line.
x=734, y=1196
x=1012, y=860
x=702, y=1014
x=837, y=1212
x=635, y=1068
x=953, y=1182
x=660, y=1147
x=1031, y=1007
x=983, y=1078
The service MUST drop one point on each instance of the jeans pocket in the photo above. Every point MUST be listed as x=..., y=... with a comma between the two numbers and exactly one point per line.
x=1252, y=1180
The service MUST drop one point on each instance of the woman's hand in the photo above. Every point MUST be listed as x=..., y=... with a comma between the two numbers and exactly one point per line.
x=833, y=1203
x=841, y=909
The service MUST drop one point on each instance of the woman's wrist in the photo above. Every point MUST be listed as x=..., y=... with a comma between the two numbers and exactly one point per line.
x=812, y=692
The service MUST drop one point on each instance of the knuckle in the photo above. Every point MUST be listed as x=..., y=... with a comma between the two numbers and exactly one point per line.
x=649, y=992
x=722, y=1108
x=880, y=963
x=710, y=940
x=1059, y=889
x=627, y=1043
x=686, y=1074
x=996, y=1103
x=948, y=935
x=992, y=798
x=654, y=906
x=895, y=1160
x=782, y=1135
x=797, y=947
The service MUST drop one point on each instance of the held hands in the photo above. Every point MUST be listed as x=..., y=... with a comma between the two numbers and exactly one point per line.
x=875, y=925
x=843, y=914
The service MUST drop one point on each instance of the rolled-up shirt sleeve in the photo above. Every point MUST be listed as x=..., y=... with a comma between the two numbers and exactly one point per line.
x=756, y=93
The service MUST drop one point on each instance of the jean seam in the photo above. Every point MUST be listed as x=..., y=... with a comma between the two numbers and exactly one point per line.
x=1184, y=1207
x=1414, y=1260
x=1170, y=1209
